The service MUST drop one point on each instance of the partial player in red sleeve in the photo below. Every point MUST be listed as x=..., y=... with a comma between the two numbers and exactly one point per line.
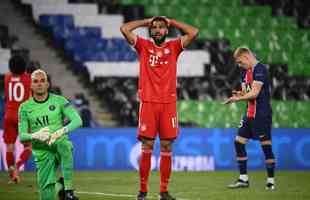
x=157, y=93
x=17, y=90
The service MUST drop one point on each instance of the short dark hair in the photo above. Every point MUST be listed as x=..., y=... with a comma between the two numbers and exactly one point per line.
x=159, y=18
x=17, y=65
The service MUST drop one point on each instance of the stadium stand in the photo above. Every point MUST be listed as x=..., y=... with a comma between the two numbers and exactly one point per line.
x=207, y=73
x=298, y=9
x=275, y=40
x=13, y=47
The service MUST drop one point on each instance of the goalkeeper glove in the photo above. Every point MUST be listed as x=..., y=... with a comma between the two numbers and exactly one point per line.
x=42, y=134
x=57, y=134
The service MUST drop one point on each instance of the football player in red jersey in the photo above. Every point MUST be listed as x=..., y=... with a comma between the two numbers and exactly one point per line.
x=157, y=93
x=16, y=91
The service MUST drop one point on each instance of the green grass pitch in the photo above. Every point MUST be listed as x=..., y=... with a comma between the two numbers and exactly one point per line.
x=291, y=185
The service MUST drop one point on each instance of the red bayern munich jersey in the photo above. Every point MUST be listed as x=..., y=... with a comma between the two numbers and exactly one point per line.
x=158, y=70
x=16, y=91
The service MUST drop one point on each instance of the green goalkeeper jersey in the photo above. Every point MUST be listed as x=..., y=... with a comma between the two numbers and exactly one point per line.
x=51, y=113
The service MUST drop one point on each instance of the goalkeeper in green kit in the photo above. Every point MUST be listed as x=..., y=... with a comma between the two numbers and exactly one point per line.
x=41, y=121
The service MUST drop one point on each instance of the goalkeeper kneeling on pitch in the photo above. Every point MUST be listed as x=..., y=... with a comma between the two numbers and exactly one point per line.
x=41, y=121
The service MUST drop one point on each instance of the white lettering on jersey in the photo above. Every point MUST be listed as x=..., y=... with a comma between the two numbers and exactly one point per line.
x=14, y=95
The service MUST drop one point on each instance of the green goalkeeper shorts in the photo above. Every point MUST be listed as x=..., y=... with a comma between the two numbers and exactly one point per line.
x=48, y=160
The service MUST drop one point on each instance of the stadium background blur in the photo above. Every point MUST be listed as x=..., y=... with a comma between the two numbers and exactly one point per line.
x=79, y=44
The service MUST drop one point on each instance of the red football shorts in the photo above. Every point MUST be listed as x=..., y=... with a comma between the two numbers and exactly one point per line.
x=10, y=130
x=158, y=118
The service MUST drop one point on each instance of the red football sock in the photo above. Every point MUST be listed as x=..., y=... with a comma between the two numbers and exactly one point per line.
x=9, y=158
x=165, y=170
x=145, y=166
x=24, y=156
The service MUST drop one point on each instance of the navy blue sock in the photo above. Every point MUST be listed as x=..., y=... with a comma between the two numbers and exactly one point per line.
x=270, y=169
x=241, y=153
x=242, y=164
x=267, y=149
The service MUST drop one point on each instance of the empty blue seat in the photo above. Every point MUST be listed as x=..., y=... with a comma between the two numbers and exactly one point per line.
x=85, y=32
x=84, y=43
x=130, y=56
x=47, y=21
x=60, y=34
x=65, y=20
x=103, y=42
x=119, y=42
x=101, y=56
x=50, y=21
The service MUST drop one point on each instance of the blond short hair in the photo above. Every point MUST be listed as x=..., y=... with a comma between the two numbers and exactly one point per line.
x=38, y=71
x=241, y=50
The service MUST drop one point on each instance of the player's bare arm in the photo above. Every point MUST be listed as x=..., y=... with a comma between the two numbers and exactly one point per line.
x=190, y=31
x=239, y=92
x=127, y=29
x=252, y=94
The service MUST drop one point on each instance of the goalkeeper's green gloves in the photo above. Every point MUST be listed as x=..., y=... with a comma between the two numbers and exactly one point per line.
x=41, y=135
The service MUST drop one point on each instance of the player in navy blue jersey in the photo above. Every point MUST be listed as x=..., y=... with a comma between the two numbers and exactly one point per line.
x=256, y=123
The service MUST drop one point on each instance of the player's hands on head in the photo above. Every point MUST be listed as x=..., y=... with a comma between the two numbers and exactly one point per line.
x=167, y=19
x=41, y=135
x=57, y=134
x=152, y=18
x=149, y=21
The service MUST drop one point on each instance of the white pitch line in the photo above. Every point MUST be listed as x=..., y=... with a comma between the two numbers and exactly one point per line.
x=117, y=195
x=112, y=194
x=106, y=194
